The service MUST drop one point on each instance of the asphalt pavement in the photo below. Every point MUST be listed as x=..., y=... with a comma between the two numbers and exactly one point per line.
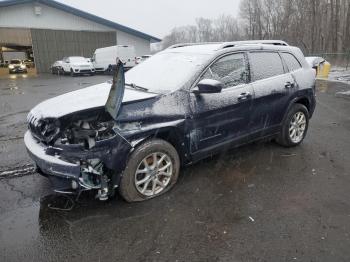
x=260, y=202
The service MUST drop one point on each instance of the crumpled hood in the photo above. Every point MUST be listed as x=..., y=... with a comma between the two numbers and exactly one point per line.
x=82, y=99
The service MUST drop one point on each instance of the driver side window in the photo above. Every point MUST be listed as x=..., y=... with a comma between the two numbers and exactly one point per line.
x=230, y=70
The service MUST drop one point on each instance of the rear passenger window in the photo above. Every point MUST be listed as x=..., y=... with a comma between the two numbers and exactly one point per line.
x=231, y=70
x=265, y=65
x=291, y=61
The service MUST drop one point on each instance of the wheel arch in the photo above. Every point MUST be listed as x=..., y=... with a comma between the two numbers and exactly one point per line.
x=173, y=135
x=303, y=100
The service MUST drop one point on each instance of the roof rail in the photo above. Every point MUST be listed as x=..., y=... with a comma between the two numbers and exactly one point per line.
x=191, y=44
x=232, y=44
x=253, y=42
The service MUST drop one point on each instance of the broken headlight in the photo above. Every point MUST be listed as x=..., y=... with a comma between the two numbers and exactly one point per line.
x=46, y=130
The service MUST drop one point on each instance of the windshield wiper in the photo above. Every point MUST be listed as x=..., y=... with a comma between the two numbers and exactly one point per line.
x=136, y=86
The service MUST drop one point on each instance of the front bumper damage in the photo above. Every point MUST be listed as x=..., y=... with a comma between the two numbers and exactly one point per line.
x=64, y=164
x=89, y=152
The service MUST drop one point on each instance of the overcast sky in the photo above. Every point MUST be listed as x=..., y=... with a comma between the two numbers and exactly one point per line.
x=155, y=17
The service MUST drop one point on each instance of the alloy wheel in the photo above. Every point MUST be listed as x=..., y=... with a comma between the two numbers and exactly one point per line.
x=153, y=174
x=297, y=127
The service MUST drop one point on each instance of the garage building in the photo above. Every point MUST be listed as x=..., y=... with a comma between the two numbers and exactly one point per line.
x=46, y=31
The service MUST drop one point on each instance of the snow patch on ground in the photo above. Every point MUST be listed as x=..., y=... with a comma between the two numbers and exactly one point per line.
x=340, y=74
x=343, y=94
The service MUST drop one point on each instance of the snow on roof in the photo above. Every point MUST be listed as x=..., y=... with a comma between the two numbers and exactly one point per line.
x=200, y=48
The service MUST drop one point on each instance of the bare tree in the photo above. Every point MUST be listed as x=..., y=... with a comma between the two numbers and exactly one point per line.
x=314, y=25
x=224, y=28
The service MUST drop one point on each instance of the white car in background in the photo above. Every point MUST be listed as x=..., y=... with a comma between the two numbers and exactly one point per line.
x=77, y=65
x=17, y=66
x=104, y=59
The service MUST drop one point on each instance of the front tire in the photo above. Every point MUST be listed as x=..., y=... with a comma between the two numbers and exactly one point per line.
x=152, y=170
x=72, y=73
x=294, y=127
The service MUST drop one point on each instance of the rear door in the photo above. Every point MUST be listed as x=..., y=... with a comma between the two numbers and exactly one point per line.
x=272, y=84
x=221, y=118
x=295, y=68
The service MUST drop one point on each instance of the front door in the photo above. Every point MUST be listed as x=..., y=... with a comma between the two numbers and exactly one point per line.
x=218, y=119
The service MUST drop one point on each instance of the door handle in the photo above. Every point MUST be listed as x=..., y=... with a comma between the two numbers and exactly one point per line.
x=244, y=96
x=289, y=85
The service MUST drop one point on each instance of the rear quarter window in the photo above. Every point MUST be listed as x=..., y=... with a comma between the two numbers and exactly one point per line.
x=291, y=62
x=265, y=64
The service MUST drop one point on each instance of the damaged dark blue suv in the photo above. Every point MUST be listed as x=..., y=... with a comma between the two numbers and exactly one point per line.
x=183, y=104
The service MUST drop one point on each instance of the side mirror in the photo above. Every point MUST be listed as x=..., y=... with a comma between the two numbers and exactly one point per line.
x=208, y=86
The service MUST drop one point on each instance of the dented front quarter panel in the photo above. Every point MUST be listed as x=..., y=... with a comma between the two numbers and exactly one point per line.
x=164, y=114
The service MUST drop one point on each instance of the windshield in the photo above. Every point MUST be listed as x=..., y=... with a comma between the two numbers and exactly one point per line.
x=165, y=72
x=16, y=62
x=78, y=59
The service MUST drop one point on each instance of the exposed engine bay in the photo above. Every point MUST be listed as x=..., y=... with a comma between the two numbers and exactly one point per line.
x=88, y=131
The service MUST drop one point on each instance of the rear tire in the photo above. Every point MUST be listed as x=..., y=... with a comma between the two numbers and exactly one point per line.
x=294, y=127
x=152, y=170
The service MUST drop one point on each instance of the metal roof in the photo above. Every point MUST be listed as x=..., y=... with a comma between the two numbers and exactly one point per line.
x=82, y=14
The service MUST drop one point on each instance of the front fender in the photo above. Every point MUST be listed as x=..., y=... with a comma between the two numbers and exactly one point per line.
x=171, y=132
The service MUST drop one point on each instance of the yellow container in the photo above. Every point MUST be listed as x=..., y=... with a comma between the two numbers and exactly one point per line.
x=323, y=70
